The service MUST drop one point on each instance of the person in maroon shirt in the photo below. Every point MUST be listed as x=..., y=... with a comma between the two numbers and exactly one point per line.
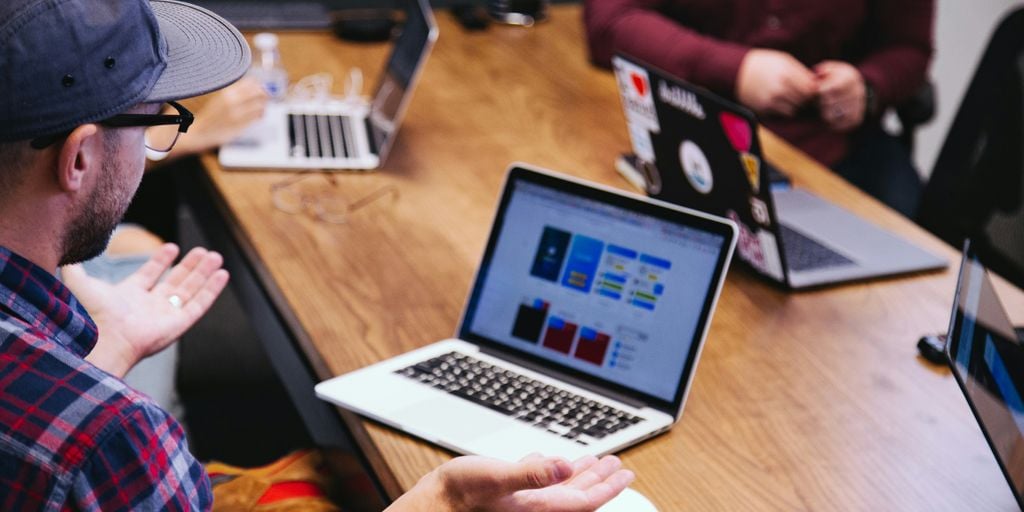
x=817, y=73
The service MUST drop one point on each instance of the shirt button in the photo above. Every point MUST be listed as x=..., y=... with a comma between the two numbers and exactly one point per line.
x=773, y=23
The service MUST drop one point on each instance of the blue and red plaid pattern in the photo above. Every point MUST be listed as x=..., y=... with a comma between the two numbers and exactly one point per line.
x=73, y=437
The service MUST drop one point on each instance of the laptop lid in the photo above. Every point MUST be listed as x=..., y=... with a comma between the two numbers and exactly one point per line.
x=986, y=355
x=613, y=290
x=397, y=81
x=707, y=154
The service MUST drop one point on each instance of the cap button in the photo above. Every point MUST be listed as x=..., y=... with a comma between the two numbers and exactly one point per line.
x=68, y=80
x=110, y=62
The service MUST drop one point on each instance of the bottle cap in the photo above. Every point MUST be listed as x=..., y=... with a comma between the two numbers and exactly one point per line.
x=265, y=41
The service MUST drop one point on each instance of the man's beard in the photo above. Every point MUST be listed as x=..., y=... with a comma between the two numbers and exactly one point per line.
x=88, y=234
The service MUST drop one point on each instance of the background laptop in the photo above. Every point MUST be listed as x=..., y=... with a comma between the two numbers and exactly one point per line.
x=340, y=134
x=985, y=353
x=708, y=155
x=580, y=335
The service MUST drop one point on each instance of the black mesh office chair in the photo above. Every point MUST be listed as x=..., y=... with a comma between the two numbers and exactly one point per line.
x=977, y=185
x=915, y=112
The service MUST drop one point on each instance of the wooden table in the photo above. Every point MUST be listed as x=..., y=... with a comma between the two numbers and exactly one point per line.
x=802, y=401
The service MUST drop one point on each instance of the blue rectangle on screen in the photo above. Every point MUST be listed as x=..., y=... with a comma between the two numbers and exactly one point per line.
x=611, y=294
x=642, y=304
x=615, y=278
x=581, y=267
x=657, y=262
x=659, y=289
x=556, y=323
x=622, y=251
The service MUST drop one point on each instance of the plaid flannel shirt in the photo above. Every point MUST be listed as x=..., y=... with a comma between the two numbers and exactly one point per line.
x=73, y=437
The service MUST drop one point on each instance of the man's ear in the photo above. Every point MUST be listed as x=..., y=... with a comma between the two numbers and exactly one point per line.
x=81, y=153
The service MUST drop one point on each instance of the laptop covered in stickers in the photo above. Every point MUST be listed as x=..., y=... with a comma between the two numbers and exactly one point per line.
x=703, y=152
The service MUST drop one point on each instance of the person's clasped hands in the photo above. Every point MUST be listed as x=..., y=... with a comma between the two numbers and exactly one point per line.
x=774, y=83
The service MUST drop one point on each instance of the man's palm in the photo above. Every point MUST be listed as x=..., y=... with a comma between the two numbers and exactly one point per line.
x=136, y=317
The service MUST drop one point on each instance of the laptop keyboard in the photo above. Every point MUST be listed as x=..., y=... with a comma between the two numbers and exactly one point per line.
x=322, y=136
x=541, y=405
x=803, y=253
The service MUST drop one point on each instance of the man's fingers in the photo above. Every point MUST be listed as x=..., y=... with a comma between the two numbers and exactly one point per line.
x=804, y=86
x=800, y=79
x=583, y=463
x=596, y=473
x=535, y=474
x=180, y=271
x=147, y=276
x=601, y=492
x=210, y=263
x=197, y=306
x=829, y=90
x=825, y=68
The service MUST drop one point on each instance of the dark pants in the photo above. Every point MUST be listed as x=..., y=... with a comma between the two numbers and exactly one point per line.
x=880, y=165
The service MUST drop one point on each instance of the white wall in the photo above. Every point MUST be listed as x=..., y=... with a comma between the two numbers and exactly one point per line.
x=963, y=28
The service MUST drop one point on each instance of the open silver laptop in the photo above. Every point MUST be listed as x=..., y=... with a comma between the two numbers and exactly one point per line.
x=580, y=335
x=706, y=153
x=340, y=134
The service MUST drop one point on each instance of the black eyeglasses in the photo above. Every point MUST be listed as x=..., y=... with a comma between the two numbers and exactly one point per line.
x=161, y=144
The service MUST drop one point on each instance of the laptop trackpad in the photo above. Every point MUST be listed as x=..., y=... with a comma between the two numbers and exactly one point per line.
x=449, y=419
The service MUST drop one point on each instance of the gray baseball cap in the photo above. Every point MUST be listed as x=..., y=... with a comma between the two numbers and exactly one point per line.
x=64, y=63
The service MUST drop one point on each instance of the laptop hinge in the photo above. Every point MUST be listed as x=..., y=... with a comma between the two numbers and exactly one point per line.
x=575, y=381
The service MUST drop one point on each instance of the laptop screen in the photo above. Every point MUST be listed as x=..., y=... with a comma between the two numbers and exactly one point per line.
x=407, y=56
x=603, y=289
x=986, y=355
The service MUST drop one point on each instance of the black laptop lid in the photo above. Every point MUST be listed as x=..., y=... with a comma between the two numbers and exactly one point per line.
x=987, y=358
x=707, y=154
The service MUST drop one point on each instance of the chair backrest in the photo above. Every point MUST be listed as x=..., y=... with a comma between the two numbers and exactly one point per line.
x=976, y=189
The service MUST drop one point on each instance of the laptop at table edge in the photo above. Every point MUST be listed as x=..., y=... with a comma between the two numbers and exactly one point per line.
x=534, y=366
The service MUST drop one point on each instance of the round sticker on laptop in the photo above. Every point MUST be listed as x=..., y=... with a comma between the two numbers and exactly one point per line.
x=696, y=167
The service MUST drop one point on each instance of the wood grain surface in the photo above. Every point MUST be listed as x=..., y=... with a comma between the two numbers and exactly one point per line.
x=802, y=401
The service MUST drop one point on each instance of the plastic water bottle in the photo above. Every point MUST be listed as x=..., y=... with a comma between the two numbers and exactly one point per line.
x=267, y=68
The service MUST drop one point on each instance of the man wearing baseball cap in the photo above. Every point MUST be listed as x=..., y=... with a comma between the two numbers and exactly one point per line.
x=80, y=81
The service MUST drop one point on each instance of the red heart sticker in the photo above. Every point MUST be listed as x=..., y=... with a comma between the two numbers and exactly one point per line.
x=639, y=84
x=737, y=129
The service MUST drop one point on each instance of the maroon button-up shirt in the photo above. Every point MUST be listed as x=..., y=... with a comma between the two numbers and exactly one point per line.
x=704, y=42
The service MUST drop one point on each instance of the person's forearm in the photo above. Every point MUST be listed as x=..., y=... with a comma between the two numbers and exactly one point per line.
x=638, y=28
x=896, y=65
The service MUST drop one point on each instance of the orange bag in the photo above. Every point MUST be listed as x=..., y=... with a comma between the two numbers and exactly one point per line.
x=293, y=483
